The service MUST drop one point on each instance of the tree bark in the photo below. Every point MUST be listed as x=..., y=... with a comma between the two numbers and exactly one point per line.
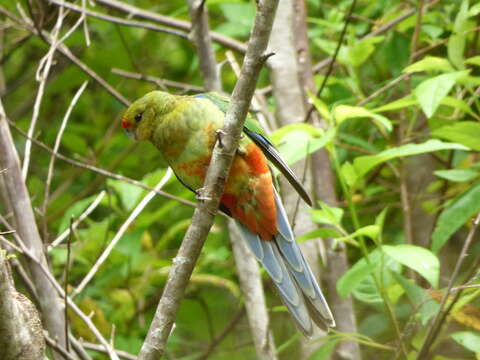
x=19, y=200
x=21, y=332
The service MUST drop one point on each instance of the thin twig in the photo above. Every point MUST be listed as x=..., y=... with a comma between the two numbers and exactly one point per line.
x=157, y=81
x=67, y=273
x=138, y=209
x=99, y=348
x=82, y=217
x=441, y=314
x=41, y=76
x=220, y=337
x=250, y=281
x=100, y=171
x=117, y=20
x=55, y=150
x=172, y=22
x=58, y=348
x=65, y=51
x=334, y=57
x=57, y=287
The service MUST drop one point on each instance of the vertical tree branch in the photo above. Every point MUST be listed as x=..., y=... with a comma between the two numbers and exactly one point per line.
x=291, y=79
x=291, y=109
x=324, y=189
x=200, y=34
x=19, y=200
x=183, y=264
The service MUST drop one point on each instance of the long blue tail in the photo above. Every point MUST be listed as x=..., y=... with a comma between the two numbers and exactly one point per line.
x=291, y=274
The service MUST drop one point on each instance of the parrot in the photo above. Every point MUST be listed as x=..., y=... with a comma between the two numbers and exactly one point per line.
x=184, y=128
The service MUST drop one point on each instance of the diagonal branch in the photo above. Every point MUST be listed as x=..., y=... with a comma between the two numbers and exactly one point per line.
x=183, y=264
x=172, y=22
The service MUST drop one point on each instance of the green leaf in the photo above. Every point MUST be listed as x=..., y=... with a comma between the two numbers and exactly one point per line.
x=299, y=140
x=349, y=174
x=421, y=300
x=417, y=258
x=456, y=42
x=366, y=290
x=455, y=215
x=74, y=211
x=327, y=215
x=429, y=63
x=457, y=175
x=360, y=51
x=459, y=104
x=320, y=106
x=353, y=277
x=475, y=60
x=468, y=339
x=463, y=132
x=370, y=231
x=324, y=352
x=431, y=92
x=363, y=164
x=323, y=233
x=343, y=112
x=129, y=194
x=404, y=102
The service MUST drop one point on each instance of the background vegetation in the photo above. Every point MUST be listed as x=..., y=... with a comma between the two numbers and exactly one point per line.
x=399, y=123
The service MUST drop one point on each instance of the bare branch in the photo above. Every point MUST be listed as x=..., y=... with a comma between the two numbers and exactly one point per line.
x=100, y=171
x=55, y=151
x=64, y=50
x=201, y=36
x=41, y=76
x=82, y=217
x=138, y=209
x=19, y=200
x=117, y=20
x=154, y=345
x=162, y=83
x=440, y=316
x=169, y=21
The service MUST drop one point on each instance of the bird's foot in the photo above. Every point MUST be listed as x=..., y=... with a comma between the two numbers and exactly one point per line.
x=220, y=133
x=200, y=196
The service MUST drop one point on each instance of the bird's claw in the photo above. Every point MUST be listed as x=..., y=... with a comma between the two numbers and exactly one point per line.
x=200, y=196
x=220, y=133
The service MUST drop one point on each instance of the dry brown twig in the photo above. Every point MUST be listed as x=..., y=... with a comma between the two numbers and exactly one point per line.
x=442, y=313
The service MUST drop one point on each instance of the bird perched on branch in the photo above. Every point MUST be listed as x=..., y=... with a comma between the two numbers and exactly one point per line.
x=184, y=129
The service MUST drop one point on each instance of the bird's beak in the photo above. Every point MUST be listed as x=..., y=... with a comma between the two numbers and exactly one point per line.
x=131, y=134
x=128, y=127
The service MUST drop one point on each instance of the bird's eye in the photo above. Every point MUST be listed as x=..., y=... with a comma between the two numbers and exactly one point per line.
x=138, y=117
